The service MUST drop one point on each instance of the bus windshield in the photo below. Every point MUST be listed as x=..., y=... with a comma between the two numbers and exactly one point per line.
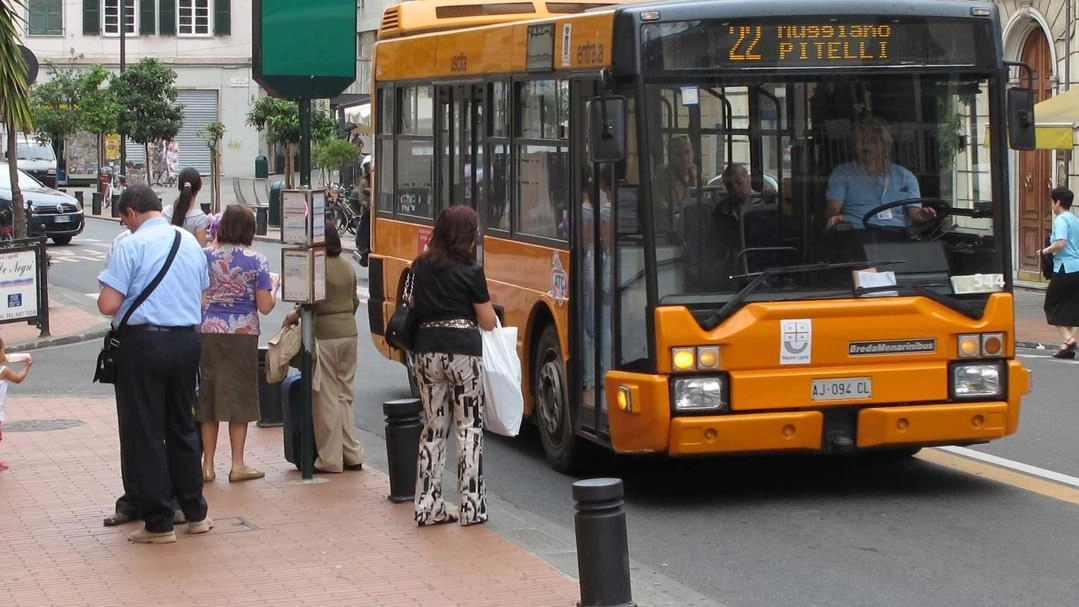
x=761, y=173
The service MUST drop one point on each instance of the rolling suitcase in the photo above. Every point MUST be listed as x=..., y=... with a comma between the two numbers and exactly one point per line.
x=291, y=394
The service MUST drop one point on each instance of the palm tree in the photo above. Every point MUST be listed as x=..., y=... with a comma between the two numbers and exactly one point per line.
x=14, y=99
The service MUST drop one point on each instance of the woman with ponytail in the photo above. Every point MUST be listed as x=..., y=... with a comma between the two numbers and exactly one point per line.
x=184, y=212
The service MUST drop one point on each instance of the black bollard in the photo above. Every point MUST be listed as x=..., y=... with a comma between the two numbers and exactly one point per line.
x=95, y=203
x=602, y=546
x=78, y=197
x=403, y=428
x=115, y=205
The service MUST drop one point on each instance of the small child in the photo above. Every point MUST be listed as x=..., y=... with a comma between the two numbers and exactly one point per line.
x=8, y=375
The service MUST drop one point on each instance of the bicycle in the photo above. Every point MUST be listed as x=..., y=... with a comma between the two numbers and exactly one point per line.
x=341, y=209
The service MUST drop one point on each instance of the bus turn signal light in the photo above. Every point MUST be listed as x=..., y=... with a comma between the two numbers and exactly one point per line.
x=992, y=344
x=970, y=346
x=625, y=399
x=683, y=359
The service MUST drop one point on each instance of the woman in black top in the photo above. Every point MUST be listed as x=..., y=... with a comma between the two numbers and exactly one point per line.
x=450, y=300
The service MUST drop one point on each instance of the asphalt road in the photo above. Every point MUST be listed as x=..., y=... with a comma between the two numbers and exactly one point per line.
x=777, y=530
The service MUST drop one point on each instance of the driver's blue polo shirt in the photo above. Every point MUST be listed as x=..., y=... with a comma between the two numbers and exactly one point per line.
x=861, y=192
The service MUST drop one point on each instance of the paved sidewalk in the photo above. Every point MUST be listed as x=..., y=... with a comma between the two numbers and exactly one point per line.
x=277, y=541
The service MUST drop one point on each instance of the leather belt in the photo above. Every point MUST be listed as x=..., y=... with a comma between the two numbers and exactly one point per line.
x=159, y=328
x=453, y=323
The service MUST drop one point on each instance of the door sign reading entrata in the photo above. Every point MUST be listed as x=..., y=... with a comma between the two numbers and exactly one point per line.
x=795, y=341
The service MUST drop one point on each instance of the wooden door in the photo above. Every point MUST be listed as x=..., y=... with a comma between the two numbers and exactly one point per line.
x=1035, y=168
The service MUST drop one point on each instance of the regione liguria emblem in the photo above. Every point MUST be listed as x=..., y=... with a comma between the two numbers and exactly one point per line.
x=559, y=280
x=795, y=341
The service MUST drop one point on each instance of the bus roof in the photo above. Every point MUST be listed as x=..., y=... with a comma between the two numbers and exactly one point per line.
x=422, y=16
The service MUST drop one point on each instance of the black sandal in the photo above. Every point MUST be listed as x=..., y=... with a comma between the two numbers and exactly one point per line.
x=120, y=518
x=1067, y=352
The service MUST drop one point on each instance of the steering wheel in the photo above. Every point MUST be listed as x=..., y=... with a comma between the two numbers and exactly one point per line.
x=929, y=227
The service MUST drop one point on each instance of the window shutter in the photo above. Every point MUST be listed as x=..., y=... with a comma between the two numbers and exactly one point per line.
x=167, y=23
x=147, y=27
x=91, y=17
x=222, y=18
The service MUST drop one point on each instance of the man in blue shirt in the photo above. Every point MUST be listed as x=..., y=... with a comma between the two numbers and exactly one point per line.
x=855, y=188
x=157, y=363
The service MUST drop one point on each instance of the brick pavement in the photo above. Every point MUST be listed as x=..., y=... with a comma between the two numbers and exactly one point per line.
x=277, y=541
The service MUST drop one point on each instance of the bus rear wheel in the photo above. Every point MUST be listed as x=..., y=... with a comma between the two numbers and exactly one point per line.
x=550, y=393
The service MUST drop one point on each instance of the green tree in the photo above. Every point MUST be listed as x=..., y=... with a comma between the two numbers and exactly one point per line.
x=333, y=153
x=73, y=99
x=280, y=119
x=14, y=99
x=212, y=134
x=146, y=93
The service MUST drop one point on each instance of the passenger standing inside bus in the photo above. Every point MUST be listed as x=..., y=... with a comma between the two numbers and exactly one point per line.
x=1062, y=295
x=670, y=186
x=450, y=299
x=855, y=188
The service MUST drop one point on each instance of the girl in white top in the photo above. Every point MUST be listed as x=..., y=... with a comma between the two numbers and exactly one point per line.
x=184, y=212
x=9, y=375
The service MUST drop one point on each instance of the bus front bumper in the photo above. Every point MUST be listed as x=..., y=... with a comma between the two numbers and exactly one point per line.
x=946, y=423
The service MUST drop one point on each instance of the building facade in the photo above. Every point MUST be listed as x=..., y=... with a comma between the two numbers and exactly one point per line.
x=1041, y=34
x=206, y=42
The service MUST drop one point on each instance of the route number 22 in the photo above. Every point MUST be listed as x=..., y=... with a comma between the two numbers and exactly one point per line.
x=748, y=38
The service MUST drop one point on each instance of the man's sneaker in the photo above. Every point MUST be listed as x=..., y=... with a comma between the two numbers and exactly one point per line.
x=142, y=536
x=199, y=527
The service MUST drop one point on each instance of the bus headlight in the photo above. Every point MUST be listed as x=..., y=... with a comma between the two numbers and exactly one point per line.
x=700, y=394
x=977, y=380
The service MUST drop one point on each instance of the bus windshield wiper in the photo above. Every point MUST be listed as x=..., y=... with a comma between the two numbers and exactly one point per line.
x=734, y=302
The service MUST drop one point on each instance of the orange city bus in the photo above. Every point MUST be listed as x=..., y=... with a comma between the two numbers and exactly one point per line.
x=653, y=184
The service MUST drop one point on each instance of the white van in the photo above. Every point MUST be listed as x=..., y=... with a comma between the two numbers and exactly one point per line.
x=34, y=157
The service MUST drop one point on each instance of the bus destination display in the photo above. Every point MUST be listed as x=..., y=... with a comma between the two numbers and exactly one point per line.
x=824, y=43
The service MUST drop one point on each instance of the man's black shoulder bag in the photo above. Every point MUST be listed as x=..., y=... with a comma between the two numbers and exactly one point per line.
x=106, y=361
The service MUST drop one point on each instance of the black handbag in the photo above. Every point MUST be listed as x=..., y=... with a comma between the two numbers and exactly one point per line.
x=1047, y=260
x=105, y=372
x=401, y=328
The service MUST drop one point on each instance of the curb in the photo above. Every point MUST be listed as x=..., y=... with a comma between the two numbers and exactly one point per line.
x=61, y=340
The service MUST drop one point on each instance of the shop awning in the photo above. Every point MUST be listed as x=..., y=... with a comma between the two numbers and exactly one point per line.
x=1055, y=121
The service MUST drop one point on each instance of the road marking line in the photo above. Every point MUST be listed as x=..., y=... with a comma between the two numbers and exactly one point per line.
x=1063, y=479
x=997, y=472
x=91, y=295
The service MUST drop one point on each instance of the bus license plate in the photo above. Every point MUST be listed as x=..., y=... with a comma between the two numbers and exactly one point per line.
x=842, y=389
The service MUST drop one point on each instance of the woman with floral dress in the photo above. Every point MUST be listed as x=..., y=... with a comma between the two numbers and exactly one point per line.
x=240, y=288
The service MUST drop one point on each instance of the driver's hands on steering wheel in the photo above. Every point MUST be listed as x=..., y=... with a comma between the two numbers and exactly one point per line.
x=923, y=214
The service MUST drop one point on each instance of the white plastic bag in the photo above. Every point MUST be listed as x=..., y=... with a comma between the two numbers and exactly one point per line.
x=502, y=381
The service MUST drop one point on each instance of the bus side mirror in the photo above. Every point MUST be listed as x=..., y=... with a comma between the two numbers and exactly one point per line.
x=607, y=123
x=1021, y=118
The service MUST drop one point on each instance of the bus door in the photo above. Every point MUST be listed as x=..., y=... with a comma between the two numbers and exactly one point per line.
x=460, y=154
x=594, y=250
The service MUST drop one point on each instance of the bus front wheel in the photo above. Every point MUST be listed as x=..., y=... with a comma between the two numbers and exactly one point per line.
x=552, y=408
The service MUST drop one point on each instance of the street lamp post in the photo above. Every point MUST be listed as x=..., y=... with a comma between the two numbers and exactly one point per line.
x=123, y=64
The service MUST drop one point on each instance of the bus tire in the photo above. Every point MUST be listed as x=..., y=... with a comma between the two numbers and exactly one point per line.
x=552, y=409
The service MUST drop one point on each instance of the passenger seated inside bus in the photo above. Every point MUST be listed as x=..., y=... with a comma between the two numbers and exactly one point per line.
x=672, y=183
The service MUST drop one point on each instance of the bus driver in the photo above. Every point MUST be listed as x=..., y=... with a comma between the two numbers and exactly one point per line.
x=855, y=188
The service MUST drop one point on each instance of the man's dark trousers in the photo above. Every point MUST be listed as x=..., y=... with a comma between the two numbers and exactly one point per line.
x=155, y=396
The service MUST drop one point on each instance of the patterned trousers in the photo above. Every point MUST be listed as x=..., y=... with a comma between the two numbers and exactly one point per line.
x=450, y=385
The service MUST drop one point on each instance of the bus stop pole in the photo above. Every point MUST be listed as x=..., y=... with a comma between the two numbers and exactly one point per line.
x=307, y=450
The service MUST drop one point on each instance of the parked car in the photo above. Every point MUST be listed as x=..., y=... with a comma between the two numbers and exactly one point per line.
x=35, y=157
x=54, y=213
